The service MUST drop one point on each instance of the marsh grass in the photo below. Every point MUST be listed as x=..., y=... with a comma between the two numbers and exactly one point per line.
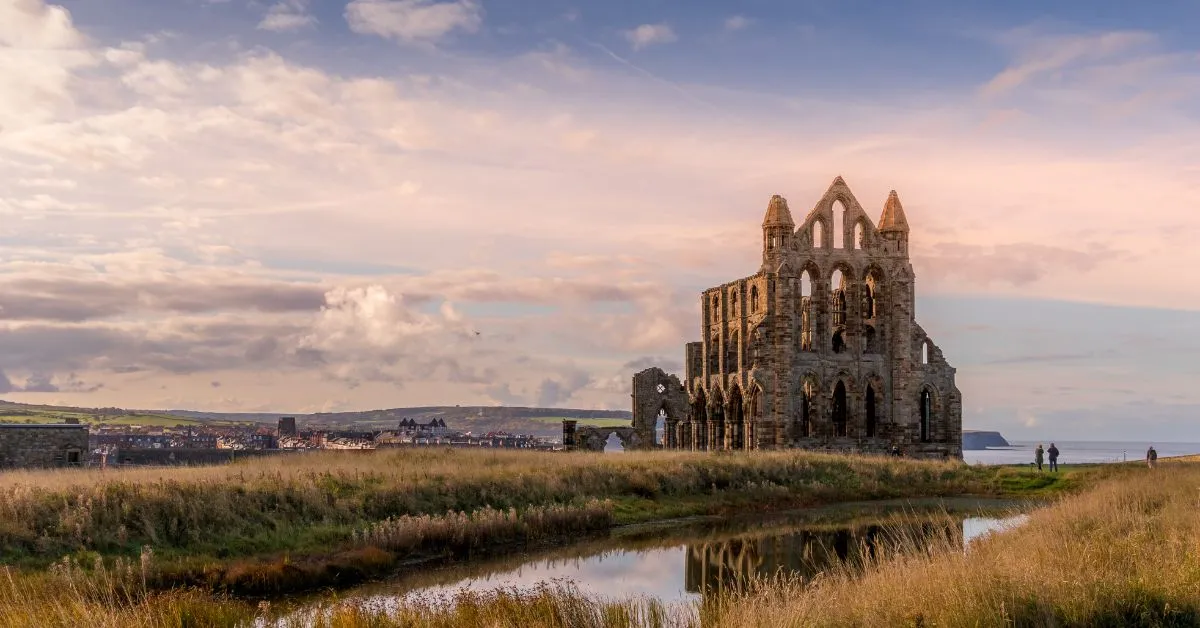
x=1126, y=552
x=301, y=502
x=379, y=548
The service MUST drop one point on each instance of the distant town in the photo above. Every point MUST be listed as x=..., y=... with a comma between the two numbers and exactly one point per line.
x=76, y=443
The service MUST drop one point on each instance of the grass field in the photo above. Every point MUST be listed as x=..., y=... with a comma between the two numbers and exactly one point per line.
x=557, y=420
x=227, y=525
x=149, y=420
x=1116, y=546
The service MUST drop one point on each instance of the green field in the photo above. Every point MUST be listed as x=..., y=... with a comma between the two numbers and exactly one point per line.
x=153, y=420
x=593, y=422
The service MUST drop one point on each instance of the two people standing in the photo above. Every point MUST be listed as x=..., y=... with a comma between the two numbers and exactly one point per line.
x=1039, y=456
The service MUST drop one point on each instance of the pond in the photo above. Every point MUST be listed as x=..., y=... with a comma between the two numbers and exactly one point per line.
x=681, y=561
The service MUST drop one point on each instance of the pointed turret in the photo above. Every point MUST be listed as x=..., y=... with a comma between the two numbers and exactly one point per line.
x=778, y=228
x=778, y=213
x=893, y=218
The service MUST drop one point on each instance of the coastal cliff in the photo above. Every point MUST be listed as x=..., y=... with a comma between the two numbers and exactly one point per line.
x=972, y=439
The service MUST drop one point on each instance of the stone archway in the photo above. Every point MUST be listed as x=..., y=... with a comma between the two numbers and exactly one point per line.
x=654, y=393
x=839, y=410
x=735, y=419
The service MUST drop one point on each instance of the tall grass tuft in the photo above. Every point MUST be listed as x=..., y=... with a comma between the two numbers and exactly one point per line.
x=488, y=526
x=558, y=605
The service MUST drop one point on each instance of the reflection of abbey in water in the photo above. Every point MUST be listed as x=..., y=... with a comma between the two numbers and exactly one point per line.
x=730, y=565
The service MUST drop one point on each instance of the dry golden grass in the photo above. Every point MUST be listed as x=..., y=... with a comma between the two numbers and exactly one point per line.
x=311, y=500
x=67, y=596
x=417, y=465
x=1125, y=553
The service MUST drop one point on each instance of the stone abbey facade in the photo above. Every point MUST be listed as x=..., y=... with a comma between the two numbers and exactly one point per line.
x=817, y=350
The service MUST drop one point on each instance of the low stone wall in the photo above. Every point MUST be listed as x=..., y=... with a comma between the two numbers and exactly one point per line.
x=35, y=446
x=186, y=456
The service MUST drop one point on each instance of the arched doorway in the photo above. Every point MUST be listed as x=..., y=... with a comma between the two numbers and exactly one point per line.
x=735, y=419
x=839, y=413
x=805, y=412
x=716, y=421
x=754, y=415
x=699, y=436
x=926, y=414
x=870, y=411
x=660, y=428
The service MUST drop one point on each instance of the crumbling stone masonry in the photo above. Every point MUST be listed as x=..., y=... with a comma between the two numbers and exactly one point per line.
x=56, y=445
x=656, y=395
x=820, y=349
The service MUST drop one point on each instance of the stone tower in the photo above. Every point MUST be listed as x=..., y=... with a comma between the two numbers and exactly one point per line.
x=820, y=349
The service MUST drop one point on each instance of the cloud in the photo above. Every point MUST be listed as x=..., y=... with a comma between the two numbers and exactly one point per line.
x=177, y=217
x=650, y=34
x=1016, y=264
x=287, y=15
x=39, y=49
x=737, y=23
x=1041, y=55
x=557, y=391
x=413, y=21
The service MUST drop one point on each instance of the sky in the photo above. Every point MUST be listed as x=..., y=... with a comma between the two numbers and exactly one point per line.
x=300, y=206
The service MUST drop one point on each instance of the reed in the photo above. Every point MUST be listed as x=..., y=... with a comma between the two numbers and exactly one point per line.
x=1125, y=553
x=1122, y=553
x=293, y=503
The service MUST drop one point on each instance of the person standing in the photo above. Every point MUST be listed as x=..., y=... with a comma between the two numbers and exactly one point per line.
x=1053, y=451
x=1151, y=457
x=1039, y=454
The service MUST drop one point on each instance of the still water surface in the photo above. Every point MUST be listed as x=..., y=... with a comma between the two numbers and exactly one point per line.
x=681, y=563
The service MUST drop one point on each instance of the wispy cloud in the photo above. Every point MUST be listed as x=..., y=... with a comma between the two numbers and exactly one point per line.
x=1040, y=55
x=287, y=15
x=737, y=22
x=649, y=35
x=413, y=21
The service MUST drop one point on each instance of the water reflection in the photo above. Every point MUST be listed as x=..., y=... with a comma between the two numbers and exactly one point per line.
x=684, y=564
x=732, y=565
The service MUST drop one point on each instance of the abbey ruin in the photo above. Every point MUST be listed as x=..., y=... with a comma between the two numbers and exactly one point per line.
x=817, y=350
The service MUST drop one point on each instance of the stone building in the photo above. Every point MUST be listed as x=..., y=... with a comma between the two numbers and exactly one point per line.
x=47, y=445
x=820, y=348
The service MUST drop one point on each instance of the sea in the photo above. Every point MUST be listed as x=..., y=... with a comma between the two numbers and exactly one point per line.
x=1076, y=452
x=1069, y=451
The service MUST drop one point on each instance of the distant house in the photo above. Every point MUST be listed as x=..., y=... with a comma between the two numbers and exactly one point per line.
x=435, y=427
x=132, y=441
x=264, y=441
x=47, y=445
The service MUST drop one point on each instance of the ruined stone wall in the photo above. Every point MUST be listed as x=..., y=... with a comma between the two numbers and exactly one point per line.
x=179, y=456
x=591, y=438
x=655, y=392
x=31, y=446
